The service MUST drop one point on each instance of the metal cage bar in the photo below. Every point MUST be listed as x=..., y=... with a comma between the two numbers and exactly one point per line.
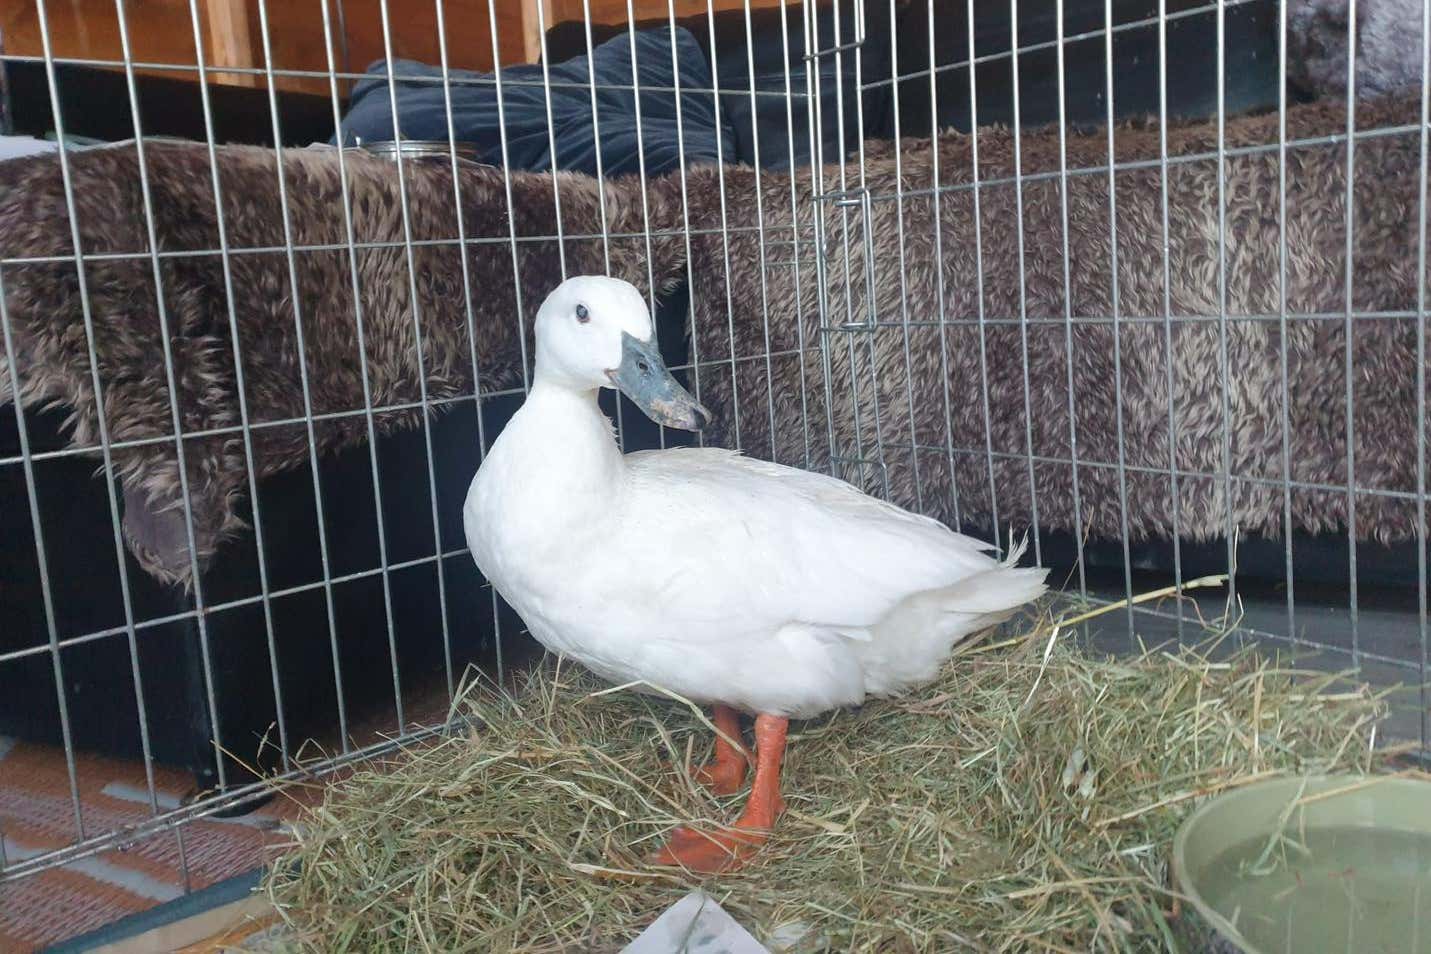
x=53, y=647
x=440, y=6
x=1116, y=314
x=817, y=217
x=360, y=330
x=1222, y=359
x=843, y=198
x=1173, y=490
x=245, y=424
x=520, y=315
x=1289, y=573
x=421, y=372
x=174, y=416
x=1063, y=172
x=596, y=147
x=103, y=430
x=295, y=291
x=1018, y=132
x=645, y=194
x=725, y=238
x=943, y=306
x=1424, y=692
x=551, y=137
x=1352, y=598
x=685, y=210
x=899, y=200
x=866, y=200
x=800, y=334
x=759, y=234
x=974, y=182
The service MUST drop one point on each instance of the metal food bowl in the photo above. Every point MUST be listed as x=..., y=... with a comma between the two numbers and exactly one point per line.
x=421, y=149
x=1310, y=865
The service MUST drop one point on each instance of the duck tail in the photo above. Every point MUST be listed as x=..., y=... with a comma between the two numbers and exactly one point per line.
x=1016, y=550
x=914, y=638
x=992, y=596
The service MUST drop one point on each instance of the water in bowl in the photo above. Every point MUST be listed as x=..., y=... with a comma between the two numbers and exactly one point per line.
x=1342, y=890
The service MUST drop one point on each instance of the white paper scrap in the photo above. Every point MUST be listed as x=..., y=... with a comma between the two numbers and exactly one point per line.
x=695, y=925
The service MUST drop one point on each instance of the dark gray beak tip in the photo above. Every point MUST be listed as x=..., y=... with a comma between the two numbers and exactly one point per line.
x=680, y=412
x=643, y=377
x=694, y=418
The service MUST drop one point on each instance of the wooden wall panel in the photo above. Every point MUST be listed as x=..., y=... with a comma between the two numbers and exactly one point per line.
x=230, y=41
x=615, y=11
x=160, y=31
x=89, y=29
x=296, y=33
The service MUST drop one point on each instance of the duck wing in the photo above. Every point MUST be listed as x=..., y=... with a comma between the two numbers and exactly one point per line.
x=725, y=544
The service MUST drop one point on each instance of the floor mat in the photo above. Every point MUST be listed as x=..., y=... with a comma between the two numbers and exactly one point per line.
x=37, y=815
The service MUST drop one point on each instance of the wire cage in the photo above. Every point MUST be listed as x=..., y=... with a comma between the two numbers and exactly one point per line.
x=1143, y=279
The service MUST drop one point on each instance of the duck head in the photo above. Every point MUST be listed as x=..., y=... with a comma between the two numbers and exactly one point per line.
x=595, y=332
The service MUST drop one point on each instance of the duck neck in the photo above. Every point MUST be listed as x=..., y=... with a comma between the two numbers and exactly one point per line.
x=577, y=446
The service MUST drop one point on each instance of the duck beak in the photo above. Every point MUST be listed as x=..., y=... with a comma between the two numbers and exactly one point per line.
x=643, y=378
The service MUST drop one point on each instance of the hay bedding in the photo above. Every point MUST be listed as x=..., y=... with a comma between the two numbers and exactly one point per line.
x=1027, y=801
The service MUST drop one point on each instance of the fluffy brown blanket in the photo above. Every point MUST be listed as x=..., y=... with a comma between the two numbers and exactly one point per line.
x=921, y=409
x=918, y=404
x=52, y=364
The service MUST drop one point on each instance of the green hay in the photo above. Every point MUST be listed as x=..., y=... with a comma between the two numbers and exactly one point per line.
x=1027, y=801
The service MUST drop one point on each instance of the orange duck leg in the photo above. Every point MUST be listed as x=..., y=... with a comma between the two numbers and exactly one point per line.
x=725, y=850
x=724, y=774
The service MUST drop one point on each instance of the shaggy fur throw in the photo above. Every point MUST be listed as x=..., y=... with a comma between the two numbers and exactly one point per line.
x=51, y=364
x=966, y=399
x=917, y=407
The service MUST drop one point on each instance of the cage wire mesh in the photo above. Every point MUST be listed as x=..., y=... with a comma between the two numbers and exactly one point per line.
x=994, y=329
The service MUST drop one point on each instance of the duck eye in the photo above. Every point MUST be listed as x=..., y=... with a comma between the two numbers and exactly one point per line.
x=582, y=315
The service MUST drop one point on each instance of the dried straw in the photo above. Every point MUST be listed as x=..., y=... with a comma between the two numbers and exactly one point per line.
x=1025, y=802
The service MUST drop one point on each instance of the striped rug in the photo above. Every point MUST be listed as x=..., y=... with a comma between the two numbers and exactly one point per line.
x=37, y=815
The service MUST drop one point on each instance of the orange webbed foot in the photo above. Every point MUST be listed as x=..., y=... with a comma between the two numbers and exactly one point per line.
x=706, y=852
x=710, y=852
x=722, y=777
x=724, y=774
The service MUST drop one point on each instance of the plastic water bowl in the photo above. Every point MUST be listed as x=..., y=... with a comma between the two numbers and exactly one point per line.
x=1310, y=865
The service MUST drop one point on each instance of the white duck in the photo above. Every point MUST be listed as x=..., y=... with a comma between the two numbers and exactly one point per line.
x=737, y=583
